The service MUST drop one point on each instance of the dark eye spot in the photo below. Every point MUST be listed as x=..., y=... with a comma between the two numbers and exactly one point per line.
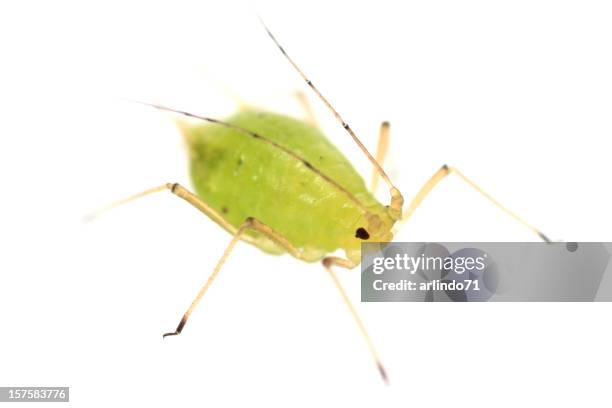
x=361, y=233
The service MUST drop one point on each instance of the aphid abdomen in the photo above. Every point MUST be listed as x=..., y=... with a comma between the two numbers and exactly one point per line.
x=242, y=176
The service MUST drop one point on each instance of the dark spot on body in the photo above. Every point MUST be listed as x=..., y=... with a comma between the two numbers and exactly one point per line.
x=224, y=210
x=361, y=233
x=240, y=162
x=307, y=164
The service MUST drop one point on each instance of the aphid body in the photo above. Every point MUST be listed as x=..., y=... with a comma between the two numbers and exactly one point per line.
x=288, y=175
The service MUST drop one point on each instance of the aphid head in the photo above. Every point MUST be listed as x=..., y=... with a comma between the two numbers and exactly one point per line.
x=371, y=228
x=378, y=228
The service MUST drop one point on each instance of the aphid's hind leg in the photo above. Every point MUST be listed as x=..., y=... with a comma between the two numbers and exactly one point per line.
x=177, y=190
x=254, y=224
x=249, y=223
x=241, y=104
x=345, y=263
x=381, y=154
x=309, y=114
x=441, y=174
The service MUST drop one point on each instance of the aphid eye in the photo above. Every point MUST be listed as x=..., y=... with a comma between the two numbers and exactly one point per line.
x=361, y=233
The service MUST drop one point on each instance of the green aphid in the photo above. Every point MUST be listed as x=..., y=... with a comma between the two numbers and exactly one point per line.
x=278, y=183
x=313, y=196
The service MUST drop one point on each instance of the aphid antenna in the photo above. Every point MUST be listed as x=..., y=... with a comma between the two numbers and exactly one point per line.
x=397, y=200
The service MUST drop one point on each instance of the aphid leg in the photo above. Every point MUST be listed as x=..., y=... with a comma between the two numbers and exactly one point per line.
x=92, y=216
x=441, y=174
x=177, y=190
x=381, y=153
x=226, y=89
x=345, y=263
x=306, y=108
x=249, y=223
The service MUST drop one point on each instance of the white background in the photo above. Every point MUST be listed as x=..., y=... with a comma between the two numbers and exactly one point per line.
x=515, y=94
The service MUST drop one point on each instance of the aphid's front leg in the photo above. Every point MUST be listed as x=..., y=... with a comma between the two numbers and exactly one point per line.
x=381, y=154
x=345, y=263
x=441, y=174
